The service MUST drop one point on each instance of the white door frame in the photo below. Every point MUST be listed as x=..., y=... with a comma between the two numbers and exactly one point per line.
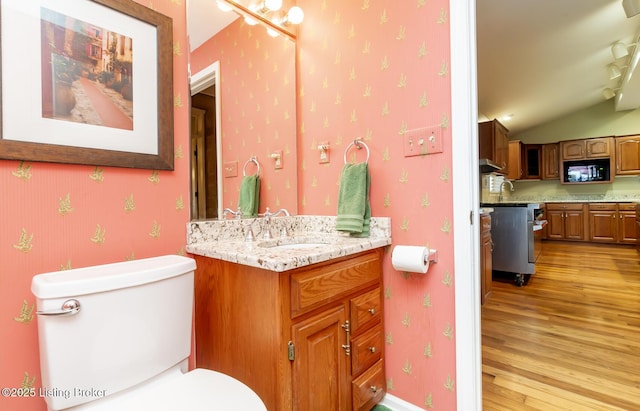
x=203, y=79
x=466, y=202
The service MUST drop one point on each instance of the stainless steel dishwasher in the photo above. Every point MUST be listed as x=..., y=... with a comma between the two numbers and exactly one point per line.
x=515, y=245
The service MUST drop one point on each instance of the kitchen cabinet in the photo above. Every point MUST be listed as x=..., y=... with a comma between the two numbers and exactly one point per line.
x=493, y=143
x=587, y=148
x=524, y=161
x=567, y=221
x=306, y=338
x=612, y=223
x=627, y=155
x=550, y=161
x=486, y=265
x=638, y=227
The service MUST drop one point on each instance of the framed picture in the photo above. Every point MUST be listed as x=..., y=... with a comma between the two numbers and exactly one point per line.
x=86, y=82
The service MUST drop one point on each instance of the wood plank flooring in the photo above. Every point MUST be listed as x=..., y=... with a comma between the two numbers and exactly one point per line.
x=570, y=338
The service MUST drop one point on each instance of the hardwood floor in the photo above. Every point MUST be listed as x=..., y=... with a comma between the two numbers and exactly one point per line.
x=570, y=338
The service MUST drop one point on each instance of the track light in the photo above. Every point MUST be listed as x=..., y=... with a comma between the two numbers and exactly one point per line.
x=614, y=71
x=609, y=93
x=631, y=7
x=619, y=50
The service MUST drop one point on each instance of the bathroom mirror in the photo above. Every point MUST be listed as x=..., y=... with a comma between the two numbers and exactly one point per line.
x=243, y=105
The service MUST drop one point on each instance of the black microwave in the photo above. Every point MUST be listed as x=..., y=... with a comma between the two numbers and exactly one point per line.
x=587, y=171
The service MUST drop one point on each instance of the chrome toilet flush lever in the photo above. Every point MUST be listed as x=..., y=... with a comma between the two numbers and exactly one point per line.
x=69, y=307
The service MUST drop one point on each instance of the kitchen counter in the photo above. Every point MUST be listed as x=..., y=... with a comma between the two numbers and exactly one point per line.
x=309, y=240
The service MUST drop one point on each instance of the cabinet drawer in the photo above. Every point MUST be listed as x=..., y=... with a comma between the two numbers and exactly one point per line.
x=368, y=389
x=366, y=349
x=602, y=206
x=626, y=207
x=365, y=308
x=564, y=206
x=330, y=282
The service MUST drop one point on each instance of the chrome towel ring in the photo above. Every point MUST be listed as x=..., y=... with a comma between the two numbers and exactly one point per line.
x=254, y=160
x=358, y=144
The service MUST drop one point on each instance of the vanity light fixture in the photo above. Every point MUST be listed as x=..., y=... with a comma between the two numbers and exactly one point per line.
x=631, y=7
x=265, y=6
x=224, y=6
x=295, y=15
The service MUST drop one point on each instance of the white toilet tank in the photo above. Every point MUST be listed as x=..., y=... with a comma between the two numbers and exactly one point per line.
x=134, y=322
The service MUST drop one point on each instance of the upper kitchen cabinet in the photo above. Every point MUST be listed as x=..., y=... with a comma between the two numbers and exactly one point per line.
x=525, y=161
x=550, y=161
x=493, y=144
x=587, y=148
x=627, y=155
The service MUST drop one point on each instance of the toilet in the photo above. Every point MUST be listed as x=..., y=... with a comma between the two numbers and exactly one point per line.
x=118, y=337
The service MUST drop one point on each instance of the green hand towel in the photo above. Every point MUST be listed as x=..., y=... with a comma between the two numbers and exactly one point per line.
x=354, y=210
x=249, y=195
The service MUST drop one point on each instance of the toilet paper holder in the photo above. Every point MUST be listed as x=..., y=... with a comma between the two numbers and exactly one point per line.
x=432, y=257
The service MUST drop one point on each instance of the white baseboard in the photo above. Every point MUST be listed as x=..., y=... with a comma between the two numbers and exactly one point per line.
x=396, y=404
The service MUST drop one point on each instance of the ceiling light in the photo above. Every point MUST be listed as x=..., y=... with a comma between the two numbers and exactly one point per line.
x=619, y=50
x=295, y=15
x=631, y=7
x=614, y=71
x=224, y=6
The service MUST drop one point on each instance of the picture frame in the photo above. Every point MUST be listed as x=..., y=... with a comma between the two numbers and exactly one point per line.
x=86, y=82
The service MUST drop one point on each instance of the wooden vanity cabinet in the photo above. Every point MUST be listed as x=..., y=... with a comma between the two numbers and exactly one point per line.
x=307, y=338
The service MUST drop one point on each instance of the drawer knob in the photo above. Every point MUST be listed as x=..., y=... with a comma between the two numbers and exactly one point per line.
x=372, y=311
x=374, y=389
x=372, y=349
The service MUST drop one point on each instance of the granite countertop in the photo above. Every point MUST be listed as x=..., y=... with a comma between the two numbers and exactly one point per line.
x=225, y=240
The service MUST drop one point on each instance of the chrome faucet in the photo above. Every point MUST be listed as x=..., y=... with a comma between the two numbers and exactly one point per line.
x=235, y=214
x=267, y=217
x=502, y=185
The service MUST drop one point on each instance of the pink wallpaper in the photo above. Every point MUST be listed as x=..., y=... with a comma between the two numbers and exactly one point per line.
x=372, y=70
x=258, y=109
x=66, y=216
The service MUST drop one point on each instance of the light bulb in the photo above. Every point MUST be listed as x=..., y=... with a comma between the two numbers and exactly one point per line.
x=295, y=15
x=272, y=32
x=224, y=6
x=250, y=21
x=273, y=5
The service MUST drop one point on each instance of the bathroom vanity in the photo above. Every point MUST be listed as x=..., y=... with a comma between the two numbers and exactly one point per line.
x=300, y=323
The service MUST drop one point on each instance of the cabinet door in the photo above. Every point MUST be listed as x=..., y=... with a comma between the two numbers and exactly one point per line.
x=573, y=150
x=555, y=225
x=628, y=155
x=603, y=226
x=501, y=146
x=532, y=161
x=515, y=160
x=320, y=373
x=599, y=147
x=550, y=161
x=627, y=232
x=574, y=225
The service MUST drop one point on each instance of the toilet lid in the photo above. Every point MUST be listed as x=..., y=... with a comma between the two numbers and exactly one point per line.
x=197, y=390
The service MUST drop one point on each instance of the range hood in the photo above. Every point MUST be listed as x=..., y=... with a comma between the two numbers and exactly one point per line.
x=488, y=166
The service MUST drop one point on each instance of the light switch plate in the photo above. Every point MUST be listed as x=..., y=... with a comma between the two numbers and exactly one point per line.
x=231, y=169
x=277, y=159
x=323, y=146
x=422, y=141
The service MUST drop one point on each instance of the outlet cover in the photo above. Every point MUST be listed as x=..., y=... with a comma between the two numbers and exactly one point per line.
x=230, y=169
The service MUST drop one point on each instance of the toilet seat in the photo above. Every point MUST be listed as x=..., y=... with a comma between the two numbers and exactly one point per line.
x=197, y=390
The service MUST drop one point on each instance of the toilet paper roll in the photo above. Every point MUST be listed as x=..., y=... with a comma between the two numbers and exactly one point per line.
x=414, y=259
